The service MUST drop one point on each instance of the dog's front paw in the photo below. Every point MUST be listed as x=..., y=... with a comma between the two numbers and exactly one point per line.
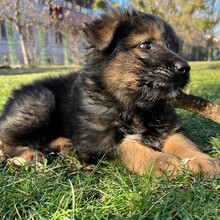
x=204, y=164
x=168, y=165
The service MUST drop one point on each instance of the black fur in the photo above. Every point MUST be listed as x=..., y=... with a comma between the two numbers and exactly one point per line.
x=123, y=90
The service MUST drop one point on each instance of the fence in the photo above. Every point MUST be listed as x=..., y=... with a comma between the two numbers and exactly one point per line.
x=38, y=53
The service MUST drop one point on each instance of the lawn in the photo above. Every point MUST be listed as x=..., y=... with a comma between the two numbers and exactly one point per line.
x=64, y=189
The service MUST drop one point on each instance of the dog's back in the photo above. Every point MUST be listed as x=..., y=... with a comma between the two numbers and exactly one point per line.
x=38, y=112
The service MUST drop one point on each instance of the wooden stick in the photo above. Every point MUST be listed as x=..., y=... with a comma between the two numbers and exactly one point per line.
x=198, y=105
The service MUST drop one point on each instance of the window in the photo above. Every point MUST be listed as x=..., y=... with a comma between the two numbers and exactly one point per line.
x=56, y=11
x=42, y=2
x=78, y=8
x=64, y=4
x=58, y=38
x=69, y=5
x=3, y=30
x=46, y=36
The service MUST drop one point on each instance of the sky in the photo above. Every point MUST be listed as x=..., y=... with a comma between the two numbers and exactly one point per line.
x=122, y=2
x=217, y=29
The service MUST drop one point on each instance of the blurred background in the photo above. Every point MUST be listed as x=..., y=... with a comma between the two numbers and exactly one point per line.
x=48, y=32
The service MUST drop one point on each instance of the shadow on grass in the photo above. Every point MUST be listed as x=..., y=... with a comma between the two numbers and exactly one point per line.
x=35, y=70
x=198, y=129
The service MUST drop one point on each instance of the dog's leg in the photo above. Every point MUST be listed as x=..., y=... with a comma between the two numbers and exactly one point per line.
x=61, y=145
x=184, y=149
x=21, y=155
x=28, y=122
x=29, y=155
x=139, y=159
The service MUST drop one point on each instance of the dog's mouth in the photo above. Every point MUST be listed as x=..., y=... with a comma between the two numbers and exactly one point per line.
x=161, y=78
x=164, y=82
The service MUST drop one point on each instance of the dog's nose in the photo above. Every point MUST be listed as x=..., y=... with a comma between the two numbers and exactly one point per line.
x=182, y=67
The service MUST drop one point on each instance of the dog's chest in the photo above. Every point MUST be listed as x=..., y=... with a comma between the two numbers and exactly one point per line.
x=153, y=126
x=146, y=123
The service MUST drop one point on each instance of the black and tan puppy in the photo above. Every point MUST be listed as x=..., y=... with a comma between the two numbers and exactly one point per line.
x=117, y=106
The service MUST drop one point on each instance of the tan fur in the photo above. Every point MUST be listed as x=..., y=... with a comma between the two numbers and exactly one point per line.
x=117, y=80
x=183, y=148
x=26, y=153
x=137, y=38
x=62, y=145
x=139, y=159
x=107, y=34
x=115, y=76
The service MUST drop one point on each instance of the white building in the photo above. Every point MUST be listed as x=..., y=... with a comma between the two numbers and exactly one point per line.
x=44, y=46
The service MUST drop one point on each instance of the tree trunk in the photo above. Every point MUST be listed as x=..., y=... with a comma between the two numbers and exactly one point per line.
x=23, y=46
x=209, y=48
x=17, y=24
x=213, y=22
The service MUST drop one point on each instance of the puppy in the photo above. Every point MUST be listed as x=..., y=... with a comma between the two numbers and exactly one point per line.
x=117, y=105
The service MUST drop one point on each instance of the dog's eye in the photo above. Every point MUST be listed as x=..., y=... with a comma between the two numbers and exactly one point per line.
x=146, y=45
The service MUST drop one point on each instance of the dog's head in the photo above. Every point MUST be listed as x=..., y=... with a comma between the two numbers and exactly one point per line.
x=136, y=54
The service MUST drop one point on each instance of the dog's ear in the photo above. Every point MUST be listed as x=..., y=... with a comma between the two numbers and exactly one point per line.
x=100, y=32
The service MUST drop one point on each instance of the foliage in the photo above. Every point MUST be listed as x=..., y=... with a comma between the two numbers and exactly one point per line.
x=191, y=18
x=103, y=4
x=60, y=190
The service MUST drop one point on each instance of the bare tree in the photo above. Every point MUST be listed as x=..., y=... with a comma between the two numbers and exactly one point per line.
x=22, y=13
x=71, y=27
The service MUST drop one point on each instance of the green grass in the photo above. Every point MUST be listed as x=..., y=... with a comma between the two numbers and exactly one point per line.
x=63, y=191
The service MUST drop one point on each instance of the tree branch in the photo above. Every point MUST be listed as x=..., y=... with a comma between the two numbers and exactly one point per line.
x=198, y=105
